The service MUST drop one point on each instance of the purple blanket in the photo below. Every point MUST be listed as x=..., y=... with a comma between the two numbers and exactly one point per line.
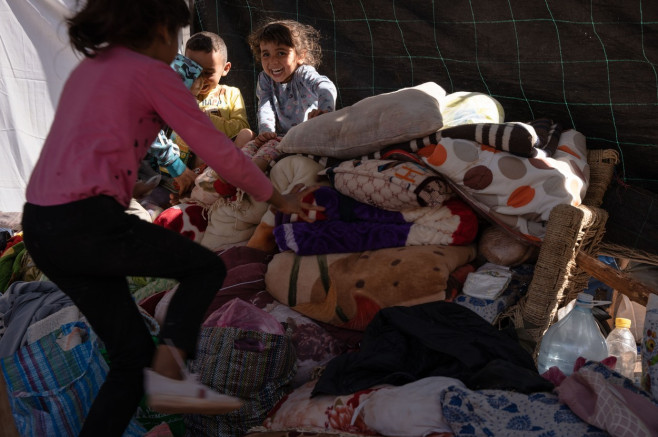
x=347, y=226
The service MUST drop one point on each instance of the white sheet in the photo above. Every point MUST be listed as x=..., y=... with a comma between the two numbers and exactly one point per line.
x=35, y=60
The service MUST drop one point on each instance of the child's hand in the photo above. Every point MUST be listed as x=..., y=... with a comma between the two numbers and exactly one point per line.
x=292, y=202
x=185, y=182
x=265, y=137
x=174, y=199
x=315, y=113
x=196, y=87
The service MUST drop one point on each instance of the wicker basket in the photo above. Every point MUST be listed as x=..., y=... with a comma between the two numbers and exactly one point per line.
x=557, y=279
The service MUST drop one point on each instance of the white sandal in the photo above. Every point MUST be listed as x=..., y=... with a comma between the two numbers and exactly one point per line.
x=186, y=396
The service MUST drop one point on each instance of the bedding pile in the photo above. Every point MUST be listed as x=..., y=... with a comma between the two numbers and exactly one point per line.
x=407, y=189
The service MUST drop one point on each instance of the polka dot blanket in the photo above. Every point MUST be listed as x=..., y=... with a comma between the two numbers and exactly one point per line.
x=516, y=192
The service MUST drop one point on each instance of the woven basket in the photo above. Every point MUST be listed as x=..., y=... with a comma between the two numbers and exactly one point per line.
x=557, y=279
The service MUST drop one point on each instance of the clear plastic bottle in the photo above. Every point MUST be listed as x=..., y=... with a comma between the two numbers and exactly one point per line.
x=621, y=344
x=576, y=335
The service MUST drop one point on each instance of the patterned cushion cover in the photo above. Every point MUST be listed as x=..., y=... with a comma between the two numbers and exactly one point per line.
x=389, y=184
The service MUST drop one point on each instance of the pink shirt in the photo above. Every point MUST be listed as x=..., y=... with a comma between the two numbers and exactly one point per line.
x=109, y=113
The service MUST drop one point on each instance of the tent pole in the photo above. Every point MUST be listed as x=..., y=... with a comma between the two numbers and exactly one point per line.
x=634, y=289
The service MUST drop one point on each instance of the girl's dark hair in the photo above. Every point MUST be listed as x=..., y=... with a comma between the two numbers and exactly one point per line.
x=303, y=38
x=127, y=22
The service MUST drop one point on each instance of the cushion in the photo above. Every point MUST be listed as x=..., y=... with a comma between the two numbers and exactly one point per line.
x=389, y=184
x=515, y=192
x=369, y=124
x=347, y=289
x=465, y=107
x=500, y=247
x=231, y=220
x=187, y=219
x=538, y=137
x=514, y=137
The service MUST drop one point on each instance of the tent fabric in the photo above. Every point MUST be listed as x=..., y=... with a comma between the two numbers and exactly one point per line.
x=587, y=65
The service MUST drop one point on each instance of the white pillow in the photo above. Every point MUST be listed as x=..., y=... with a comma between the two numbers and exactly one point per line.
x=370, y=124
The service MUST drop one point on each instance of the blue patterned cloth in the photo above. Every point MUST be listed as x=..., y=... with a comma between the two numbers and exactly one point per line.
x=188, y=70
x=488, y=413
x=489, y=309
x=505, y=413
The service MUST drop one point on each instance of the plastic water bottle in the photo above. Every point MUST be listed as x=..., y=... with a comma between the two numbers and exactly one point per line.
x=621, y=344
x=576, y=335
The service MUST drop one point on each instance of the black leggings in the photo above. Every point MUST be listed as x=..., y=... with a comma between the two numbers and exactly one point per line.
x=87, y=248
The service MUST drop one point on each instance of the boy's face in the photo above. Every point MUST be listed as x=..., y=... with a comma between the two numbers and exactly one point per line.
x=214, y=67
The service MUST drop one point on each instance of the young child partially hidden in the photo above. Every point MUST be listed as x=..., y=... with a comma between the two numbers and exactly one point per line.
x=166, y=170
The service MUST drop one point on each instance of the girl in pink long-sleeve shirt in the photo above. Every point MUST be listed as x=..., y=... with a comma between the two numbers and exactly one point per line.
x=75, y=227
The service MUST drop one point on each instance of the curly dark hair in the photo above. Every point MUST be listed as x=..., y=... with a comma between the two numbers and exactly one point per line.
x=128, y=22
x=303, y=38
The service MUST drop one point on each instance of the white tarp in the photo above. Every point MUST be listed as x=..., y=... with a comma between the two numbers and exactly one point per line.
x=35, y=60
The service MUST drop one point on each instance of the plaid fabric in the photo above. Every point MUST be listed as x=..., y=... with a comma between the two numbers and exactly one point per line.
x=51, y=389
x=254, y=366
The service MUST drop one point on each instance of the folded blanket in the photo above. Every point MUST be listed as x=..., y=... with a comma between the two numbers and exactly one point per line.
x=514, y=192
x=348, y=289
x=347, y=225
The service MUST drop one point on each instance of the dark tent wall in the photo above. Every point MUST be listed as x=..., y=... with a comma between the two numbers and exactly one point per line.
x=590, y=65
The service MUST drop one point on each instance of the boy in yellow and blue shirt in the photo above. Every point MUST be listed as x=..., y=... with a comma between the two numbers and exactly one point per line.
x=223, y=104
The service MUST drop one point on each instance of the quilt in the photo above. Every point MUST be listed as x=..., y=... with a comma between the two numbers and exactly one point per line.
x=348, y=289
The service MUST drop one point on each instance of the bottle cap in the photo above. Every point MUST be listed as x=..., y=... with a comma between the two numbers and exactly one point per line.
x=621, y=322
x=587, y=300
